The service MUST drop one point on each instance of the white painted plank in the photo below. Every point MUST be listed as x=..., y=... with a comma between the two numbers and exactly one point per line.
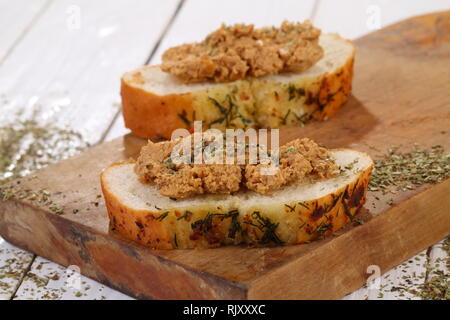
x=360, y=294
x=71, y=60
x=48, y=280
x=16, y=17
x=439, y=260
x=354, y=18
x=197, y=18
x=117, y=129
x=74, y=55
x=13, y=263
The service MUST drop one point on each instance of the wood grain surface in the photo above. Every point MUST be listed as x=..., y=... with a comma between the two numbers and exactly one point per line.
x=400, y=97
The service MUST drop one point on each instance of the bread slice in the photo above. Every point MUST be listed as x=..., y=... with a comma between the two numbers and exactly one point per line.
x=293, y=214
x=155, y=103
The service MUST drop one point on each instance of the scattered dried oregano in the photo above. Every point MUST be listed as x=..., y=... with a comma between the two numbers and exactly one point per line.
x=400, y=171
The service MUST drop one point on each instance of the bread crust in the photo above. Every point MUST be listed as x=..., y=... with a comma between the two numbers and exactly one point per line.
x=330, y=99
x=149, y=115
x=209, y=226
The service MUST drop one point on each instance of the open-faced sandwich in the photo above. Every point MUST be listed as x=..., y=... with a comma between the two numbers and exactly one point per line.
x=241, y=77
x=165, y=202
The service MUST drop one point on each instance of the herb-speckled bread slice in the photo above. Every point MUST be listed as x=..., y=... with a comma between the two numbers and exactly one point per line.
x=291, y=215
x=155, y=103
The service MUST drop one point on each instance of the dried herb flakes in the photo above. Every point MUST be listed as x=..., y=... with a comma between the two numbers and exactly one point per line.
x=401, y=171
x=31, y=144
x=26, y=145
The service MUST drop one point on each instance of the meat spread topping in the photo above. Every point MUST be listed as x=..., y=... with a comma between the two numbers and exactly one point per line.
x=299, y=161
x=236, y=52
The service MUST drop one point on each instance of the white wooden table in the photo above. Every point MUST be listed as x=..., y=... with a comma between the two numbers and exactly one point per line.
x=68, y=55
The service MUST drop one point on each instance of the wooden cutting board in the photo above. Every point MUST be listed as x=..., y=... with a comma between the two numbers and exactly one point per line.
x=401, y=96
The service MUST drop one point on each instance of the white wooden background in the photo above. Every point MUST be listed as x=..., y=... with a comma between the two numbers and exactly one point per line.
x=67, y=56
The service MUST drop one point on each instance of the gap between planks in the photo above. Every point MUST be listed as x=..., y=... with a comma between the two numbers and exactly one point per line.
x=147, y=61
x=24, y=274
x=27, y=28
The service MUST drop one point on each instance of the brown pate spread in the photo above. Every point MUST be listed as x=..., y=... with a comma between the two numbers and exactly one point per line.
x=299, y=160
x=239, y=51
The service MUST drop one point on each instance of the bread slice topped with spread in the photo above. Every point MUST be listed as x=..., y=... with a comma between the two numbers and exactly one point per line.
x=314, y=193
x=240, y=77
